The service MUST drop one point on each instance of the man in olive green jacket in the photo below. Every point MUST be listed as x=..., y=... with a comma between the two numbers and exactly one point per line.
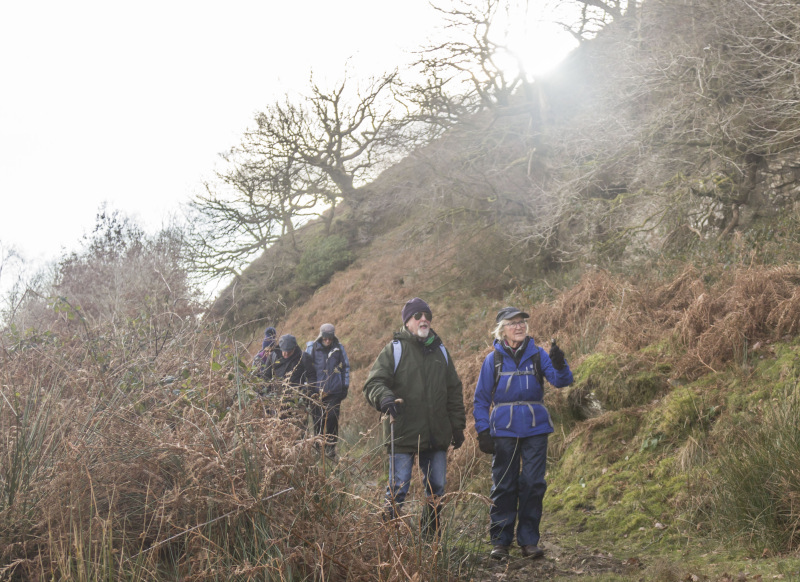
x=417, y=369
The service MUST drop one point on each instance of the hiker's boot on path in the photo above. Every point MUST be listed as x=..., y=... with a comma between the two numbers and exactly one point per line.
x=532, y=552
x=499, y=553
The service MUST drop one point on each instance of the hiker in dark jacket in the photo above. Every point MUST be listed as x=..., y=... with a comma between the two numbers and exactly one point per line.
x=513, y=425
x=292, y=380
x=417, y=368
x=333, y=381
x=263, y=359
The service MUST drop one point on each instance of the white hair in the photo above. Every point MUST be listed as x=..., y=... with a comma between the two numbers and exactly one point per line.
x=497, y=332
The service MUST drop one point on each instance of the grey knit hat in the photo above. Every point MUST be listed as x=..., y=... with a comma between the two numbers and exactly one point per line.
x=327, y=330
x=287, y=343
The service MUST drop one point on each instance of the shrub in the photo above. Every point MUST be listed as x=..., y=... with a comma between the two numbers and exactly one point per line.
x=322, y=258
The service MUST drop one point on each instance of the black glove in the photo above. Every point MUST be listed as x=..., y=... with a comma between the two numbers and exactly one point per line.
x=557, y=357
x=458, y=438
x=486, y=442
x=388, y=406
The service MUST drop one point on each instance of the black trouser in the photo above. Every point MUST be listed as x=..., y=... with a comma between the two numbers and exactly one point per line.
x=326, y=421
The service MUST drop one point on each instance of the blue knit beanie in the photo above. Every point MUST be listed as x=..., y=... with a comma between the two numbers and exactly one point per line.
x=269, y=338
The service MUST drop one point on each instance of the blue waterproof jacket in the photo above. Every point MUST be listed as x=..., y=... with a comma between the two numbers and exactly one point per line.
x=518, y=409
x=332, y=367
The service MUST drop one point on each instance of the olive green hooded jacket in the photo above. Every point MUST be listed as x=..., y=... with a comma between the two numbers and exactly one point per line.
x=433, y=405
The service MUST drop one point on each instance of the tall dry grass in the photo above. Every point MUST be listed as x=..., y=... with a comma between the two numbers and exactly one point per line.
x=708, y=325
x=755, y=481
x=122, y=465
x=136, y=446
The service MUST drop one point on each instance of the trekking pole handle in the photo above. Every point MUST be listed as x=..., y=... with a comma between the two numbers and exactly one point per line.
x=397, y=401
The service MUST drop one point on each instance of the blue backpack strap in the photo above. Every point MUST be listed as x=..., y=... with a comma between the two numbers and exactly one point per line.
x=310, y=348
x=397, y=352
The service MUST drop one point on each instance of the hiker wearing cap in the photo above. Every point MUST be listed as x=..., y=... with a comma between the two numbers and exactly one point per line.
x=416, y=368
x=263, y=359
x=513, y=425
x=294, y=366
x=333, y=381
x=291, y=379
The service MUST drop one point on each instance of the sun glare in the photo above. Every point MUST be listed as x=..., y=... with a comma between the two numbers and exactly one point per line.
x=541, y=50
x=536, y=45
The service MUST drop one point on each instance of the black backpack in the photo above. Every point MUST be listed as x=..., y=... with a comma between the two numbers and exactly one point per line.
x=498, y=367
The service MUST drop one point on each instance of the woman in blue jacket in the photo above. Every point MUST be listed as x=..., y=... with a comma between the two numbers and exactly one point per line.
x=513, y=424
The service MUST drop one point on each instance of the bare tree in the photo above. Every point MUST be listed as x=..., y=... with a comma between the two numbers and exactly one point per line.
x=584, y=19
x=463, y=74
x=297, y=163
x=123, y=272
x=347, y=137
x=262, y=195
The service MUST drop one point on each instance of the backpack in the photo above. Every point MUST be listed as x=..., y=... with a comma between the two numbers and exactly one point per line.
x=498, y=370
x=263, y=363
x=397, y=351
x=261, y=358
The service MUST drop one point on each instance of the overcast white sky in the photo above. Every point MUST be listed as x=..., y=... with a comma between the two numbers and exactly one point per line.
x=129, y=103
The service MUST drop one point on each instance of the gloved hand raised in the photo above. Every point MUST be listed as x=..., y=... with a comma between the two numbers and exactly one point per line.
x=486, y=442
x=389, y=406
x=458, y=438
x=557, y=356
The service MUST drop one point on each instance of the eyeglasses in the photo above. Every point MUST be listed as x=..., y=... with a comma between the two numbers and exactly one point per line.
x=418, y=315
x=522, y=323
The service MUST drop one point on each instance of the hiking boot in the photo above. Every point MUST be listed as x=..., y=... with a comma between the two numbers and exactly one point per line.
x=532, y=552
x=499, y=553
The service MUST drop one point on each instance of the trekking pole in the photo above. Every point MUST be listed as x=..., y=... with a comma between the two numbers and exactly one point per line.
x=397, y=401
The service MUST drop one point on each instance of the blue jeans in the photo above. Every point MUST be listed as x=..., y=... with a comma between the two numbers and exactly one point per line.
x=517, y=494
x=432, y=464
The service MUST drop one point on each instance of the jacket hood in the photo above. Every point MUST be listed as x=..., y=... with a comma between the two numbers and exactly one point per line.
x=335, y=341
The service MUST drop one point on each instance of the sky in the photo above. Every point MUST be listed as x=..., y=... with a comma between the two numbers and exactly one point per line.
x=129, y=104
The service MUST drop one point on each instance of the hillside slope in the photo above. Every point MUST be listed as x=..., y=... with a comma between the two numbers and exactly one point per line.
x=641, y=205
x=646, y=223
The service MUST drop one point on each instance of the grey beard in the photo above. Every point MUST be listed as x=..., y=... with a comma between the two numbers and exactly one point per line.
x=423, y=333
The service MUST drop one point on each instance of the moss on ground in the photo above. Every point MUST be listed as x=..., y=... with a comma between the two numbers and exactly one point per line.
x=630, y=482
x=621, y=381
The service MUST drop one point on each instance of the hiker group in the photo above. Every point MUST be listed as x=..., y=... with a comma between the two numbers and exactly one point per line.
x=415, y=385
x=315, y=379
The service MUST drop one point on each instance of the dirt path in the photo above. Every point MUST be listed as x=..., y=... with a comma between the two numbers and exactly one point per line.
x=557, y=563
